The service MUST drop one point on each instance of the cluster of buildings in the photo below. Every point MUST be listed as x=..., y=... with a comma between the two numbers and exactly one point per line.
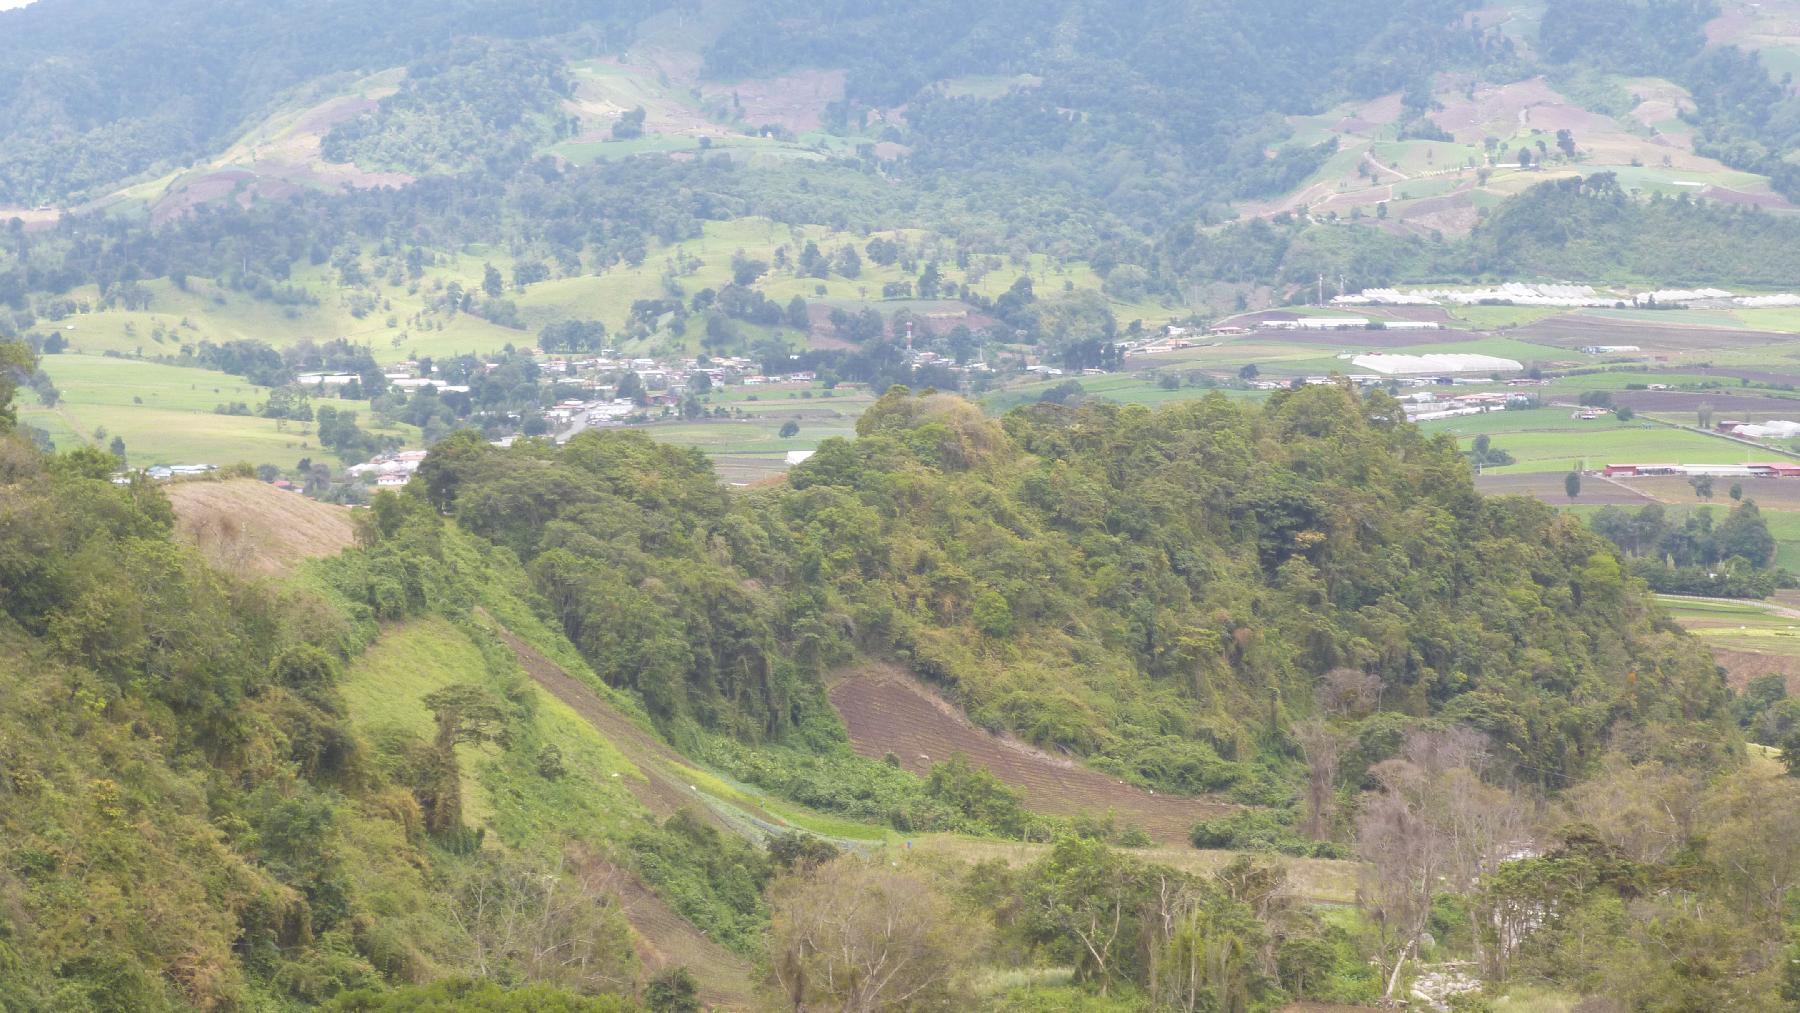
x=1426, y=406
x=660, y=379
x=1562, y=296
x=1511, y=293
x=389, y=470
x=164, y=472
x=1346, y=324
x=1778, y=469
x=1774, y=429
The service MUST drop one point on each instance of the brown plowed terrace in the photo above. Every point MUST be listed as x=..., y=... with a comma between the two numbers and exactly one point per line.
x=888, y=711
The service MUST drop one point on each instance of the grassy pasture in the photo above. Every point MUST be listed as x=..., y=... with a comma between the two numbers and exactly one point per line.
x=1548, y=447
x=165, y=414
x=1736, y=626
x=1622, y=379
x=1488, y=318
x=386, y=687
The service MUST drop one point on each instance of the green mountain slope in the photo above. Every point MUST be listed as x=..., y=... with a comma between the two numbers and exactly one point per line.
x=222, y=793
x=1160, y=592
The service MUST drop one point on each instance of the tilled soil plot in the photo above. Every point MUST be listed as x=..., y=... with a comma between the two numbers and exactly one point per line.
x=888, y=711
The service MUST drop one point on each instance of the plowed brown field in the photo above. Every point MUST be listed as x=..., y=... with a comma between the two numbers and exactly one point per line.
x=888, y=711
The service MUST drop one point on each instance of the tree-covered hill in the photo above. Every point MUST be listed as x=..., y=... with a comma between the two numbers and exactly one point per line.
x=1161, y=592
x=96, y=91
x=1584, y=227
x=343, y=788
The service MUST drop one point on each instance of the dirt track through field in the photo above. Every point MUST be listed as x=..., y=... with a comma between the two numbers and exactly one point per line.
x=665, y=938
x=661, y=792
x=888, y=711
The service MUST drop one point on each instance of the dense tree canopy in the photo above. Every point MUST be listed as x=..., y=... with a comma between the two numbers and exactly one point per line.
x=1158, y=590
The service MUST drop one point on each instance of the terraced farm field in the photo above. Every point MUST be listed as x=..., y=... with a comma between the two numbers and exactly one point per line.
x=886, y=711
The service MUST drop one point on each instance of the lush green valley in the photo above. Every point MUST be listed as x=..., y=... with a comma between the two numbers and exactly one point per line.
x=665, y=505
x=357, y=781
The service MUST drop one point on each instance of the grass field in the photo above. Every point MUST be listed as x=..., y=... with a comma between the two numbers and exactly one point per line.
x=165, y=414
x=1744, y=626
x=395, y=323
x=1522, y=420
x=1538, y=445
x=1622, y=379
x=386, y=687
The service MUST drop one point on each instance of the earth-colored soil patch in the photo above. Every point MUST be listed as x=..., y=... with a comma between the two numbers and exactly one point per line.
x=888, y=711
x=1742, y=666
x=1573, y=330
x=1432, y=314
x=1769, y=493
x=1753, y=375
x=1548, y=488
x=1726, y=405
x=665, y=940
x=250, y=527
x=1725, y=195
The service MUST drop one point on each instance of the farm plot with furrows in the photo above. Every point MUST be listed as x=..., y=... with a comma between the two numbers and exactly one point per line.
x=1773, y=495
x=1725, y=404
x=1372, y=337
x=665, y=940
x=1548, y=488
x=886, y=711
x=1573, y=330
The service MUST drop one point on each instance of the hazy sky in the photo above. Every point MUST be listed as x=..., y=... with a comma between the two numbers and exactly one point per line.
x=7, y=4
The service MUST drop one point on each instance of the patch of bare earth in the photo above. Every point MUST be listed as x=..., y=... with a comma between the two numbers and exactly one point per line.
x=1573, y=330
x=1742, y=407
x=250, y=527
x=1549, y=489
x=666, y=940
x=795, y=101
x=280, y=160
x=1766, y=201
x=1769, y=493
x=886, y=710
x=1743, y=666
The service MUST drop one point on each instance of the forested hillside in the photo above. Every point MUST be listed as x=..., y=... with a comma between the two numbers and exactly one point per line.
x=1158, y=592
x=1047, y=624
x=1182, y=103
x=1301, y=607
x=92, y=93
